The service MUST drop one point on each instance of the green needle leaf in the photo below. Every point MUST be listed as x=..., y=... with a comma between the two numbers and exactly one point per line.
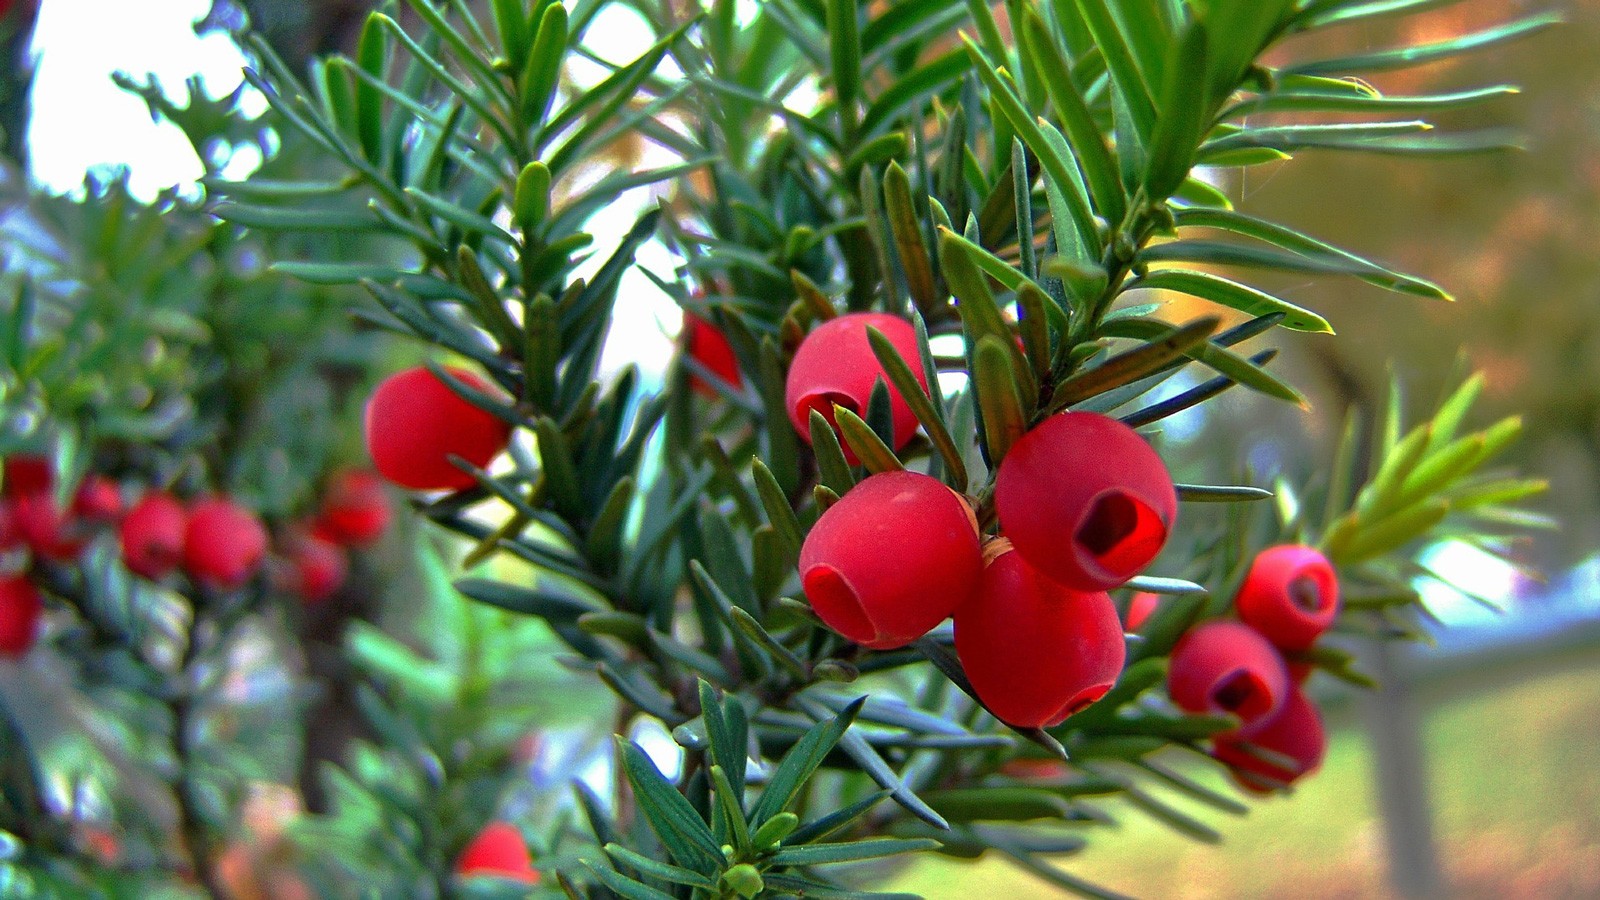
x=1134, y=364
x=1004, y=418
x=868, y=447
x=905, y=383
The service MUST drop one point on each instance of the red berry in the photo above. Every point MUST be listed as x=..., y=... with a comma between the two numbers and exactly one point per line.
x=835, y=365
x=1085, y=500
x=152, y=535
x=1033, y=769
x=415, y=422
x=1227, y=667
x=498, y=850
x=1036, y=650
x=318, y=568
x=26, y=474
x=10, y=535
x=224, y=543
x=356, y=510
x=97, y=499
x=45, y=527
x=1291, y=596
x=709, y=347
x=895, y=556
x=1140, y=608
x=1296, y=732
x=20, y=608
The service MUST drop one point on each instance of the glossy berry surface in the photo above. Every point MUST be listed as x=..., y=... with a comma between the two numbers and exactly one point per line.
x=1036, y=650
x=709, y=347
x=318, y=568
x=1085, y=500
x=224, y=543
x=415, y=422
x=1227, y=667
x=20, y=608
x=1290, y=595
x=893, y=558
x=835, y=365
x=1296, y=732
x=500, y=851
x=152, y=535
x=355, y=512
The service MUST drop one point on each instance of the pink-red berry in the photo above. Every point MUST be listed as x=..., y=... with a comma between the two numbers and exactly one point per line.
x=1291, y=596
x=356, y=510
x=835, y=365
x=499, y=851
x=223, y=544
x=1085, y=500
x=1227, y=667
x=10, y=535
x=1036, y=650
x=152, y=535
x=317, y=568
x=26, y=473
x=415, y=423
x=20, y=609
x=46, y=528
x=709, y=347
x=1295, y=732
x=1141, y=606
x=893, y=558
x=97, y=500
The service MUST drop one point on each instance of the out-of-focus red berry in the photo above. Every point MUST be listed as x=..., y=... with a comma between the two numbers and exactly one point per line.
x=102, y=842
x=1290, y=595
x=10, y=535
x=356, y=510
x=1030, y=769
x=1085, y=500
x=1141, y=606
x=1295, y=731
x=26, y=473
x=414, y=423
x=46, y=528
x=223, y=544
x=708, y=346
x=317, y=568
x=1299, y=670
x=500, y=851
x=835, y=366
x=152, y=535
x=1035, y=650
x=1227, y=667
x=97, y=500
x=894, y=557
x=20, y=608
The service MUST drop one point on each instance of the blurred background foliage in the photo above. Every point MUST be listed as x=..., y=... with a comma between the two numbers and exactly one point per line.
x=1511, y=235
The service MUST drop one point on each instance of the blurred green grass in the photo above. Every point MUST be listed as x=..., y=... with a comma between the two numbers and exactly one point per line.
x=1514, y=774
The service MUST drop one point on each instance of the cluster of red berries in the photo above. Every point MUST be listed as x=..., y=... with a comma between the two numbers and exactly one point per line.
x=1083, y=502
x=354, y=513
x=498, y=851
x=1289, y=598
x=216, y=541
